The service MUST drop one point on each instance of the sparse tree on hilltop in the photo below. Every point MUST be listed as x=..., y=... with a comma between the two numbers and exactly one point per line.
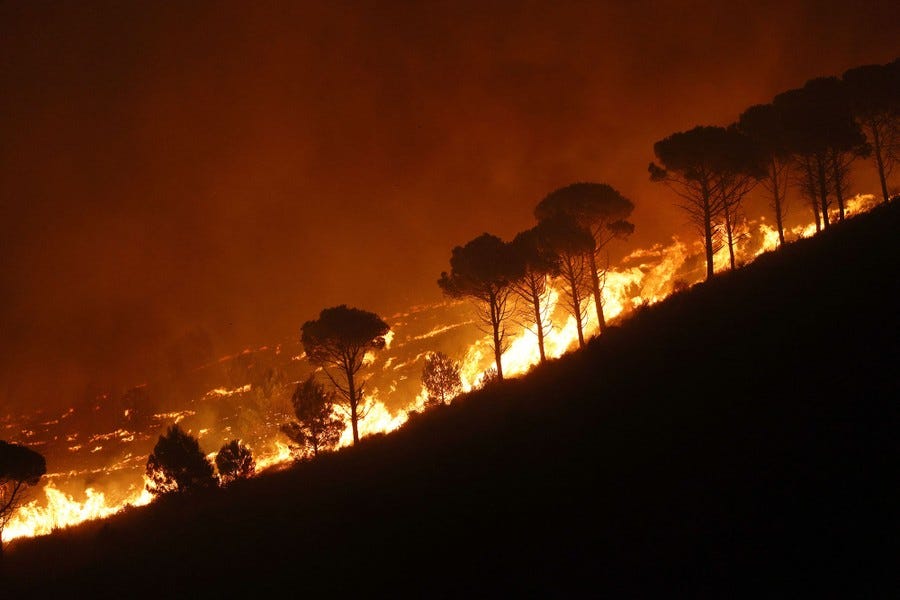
x=441, y=378
x=338, y=342
x=317, y=427
x=484, y=270
x=602, y=211
x=235, y=461
x=177, y=465
x=20, y=467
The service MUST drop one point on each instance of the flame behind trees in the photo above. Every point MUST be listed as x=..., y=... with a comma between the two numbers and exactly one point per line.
x=602, y=211
x=824, y=139
x=537, y=263
x=338, y=342
x=711, y=169
x=765, y=124
x=484, y=270
x=20, y=467
x=572, y=244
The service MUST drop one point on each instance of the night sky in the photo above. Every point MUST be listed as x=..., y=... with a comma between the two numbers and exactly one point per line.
x=237, y=167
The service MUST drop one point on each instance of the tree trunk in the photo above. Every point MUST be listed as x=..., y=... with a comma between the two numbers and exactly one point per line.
x=707, y=233
x=823, y=191
x=598, y=295
x=779, y=218
x=576, y=310
x=495, y=324
x=354, y=415
x=879, y=161
x=838, y=183
x=538, y=322
x=730, y=237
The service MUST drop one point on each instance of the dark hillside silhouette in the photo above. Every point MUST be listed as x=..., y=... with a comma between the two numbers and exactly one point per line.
x=738, y=439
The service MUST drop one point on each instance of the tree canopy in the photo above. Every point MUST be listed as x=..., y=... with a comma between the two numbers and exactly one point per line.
x=338, y=341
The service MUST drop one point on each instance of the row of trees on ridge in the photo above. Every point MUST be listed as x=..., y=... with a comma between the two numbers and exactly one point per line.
x=808, y=136
x=575, y=224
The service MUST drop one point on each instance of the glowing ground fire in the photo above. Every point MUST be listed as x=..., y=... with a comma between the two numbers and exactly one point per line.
x=645, y=277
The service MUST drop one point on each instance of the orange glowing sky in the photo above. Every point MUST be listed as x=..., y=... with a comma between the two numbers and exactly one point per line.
x=236, y=167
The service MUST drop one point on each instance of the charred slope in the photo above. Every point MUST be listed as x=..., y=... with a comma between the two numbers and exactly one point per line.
x=738, y=437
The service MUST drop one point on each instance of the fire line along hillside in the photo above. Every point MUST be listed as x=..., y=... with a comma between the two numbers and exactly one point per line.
x=739, y=435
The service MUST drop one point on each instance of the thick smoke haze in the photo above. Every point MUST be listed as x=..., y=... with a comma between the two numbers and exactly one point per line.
x=233, y=168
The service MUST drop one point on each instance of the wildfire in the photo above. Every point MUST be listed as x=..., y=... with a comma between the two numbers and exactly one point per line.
x=62, y=510
x=644, y=277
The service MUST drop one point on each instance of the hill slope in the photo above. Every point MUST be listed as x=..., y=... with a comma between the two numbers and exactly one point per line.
x=737, y=437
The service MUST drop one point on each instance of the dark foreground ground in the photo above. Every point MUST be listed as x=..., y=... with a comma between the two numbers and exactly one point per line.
x=739, y=439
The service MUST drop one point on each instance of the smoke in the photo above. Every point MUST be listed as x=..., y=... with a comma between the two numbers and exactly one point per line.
x=168, y=169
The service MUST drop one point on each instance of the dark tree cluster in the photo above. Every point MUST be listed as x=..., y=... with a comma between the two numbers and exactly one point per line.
x=575, y=225
x=177, y=465
x=809, y=136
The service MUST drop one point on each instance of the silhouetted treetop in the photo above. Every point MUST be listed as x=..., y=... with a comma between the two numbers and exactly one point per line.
x=479, y=268
x=533, y=253
x=590, y=204
x=705, y=151
x=20, y=467
x=340, y=330
x=874, y=88
x=20, y=464
x=564, y=235
x=817, y=117
x=765, y=124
